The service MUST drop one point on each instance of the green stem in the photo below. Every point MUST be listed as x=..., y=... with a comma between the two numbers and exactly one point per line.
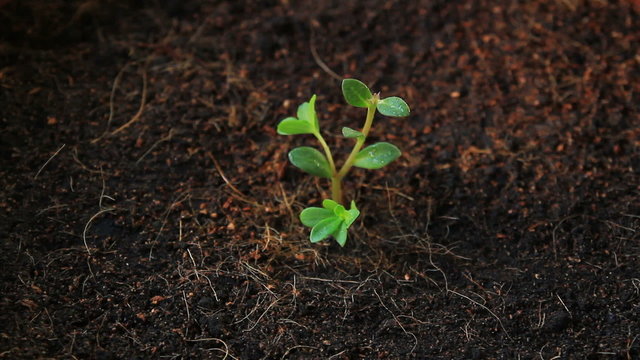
x=336, y=190
x=327, y=151
x=336, y=184
x=371, y=111
x=337, y=176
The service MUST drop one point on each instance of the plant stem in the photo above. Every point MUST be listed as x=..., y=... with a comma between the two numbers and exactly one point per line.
x=336, y=190
x=336, y=184
x=371, y=111
x=337, y=176
x=327, y=152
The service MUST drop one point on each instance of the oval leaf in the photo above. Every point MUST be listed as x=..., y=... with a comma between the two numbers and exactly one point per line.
x=393, y=106
x=313, y=215
x=350, y=133
x=325, y=228
x=356, y=93
x=377, y=155
x=311, y=161
x=293, y=126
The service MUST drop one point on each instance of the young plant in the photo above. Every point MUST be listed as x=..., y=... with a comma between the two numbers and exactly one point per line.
x=333, y=219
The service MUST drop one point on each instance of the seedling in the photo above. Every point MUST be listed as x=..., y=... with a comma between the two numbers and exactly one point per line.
x=333, y=219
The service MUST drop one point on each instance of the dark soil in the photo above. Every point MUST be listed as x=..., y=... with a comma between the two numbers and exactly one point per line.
x=148, y=209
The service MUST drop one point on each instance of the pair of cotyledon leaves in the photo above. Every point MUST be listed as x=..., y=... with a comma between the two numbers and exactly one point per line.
x=356, y=94
x=332, y=219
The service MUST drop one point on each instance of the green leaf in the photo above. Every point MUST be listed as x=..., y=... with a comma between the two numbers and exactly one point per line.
x=329, y=204
x=356, y=93
x=350, y=133
x=393, y=106
x=340, y=211
x=325, y=228
x=311, y=161
x=313, y=215
x=377, y=155
x=341, y=234
x=348, y=217
x=293, y=126
x=353, y=214
x=307, y=112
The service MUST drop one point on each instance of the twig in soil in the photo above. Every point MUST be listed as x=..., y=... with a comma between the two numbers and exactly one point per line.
x=541, y=316
x=215, y=294
x=239, y=193
x=186, y=305
x=446, y=286
x=73, y=342
x=467, y=330
x=415, y=344
x=48, y=161
x=484, y=307
x=86, y=227
x=53, y=207
x=330, y=280
x=74, y=155
x=636, y=284
x=180, y=198
x=226, y=347
x=143, y=102
x=390, y=208
x=210, y=105
x=253, y=273
x=565, y=306
x=166, y=138
x=388, y=189
x=116, y=83
x=298, y=347
x=287, y=204
x=323, y=66
x=102, y=195
x=630, y=343
x=261, y=315
x=5, y=353
x=267, y=235
x=612, y=224
x=195, y=268
x=131, y=336
x=90, y=272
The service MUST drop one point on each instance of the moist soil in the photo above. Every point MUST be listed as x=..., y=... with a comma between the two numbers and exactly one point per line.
x=149, y=211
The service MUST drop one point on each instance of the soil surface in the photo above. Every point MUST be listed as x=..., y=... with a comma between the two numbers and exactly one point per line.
x=149, y=211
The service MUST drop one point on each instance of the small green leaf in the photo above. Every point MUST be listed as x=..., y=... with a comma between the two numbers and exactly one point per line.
x=325, y=228
x=393, y=106
x=341, y=234
x=313, y=215
x=293, y=126
x=350, y=133
x=348, y=217
x=307, y=112
x=340, y=211
x=329, y=204
x=311, y=161
x=353, y=214
x=377, y=155
x=356, y=93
